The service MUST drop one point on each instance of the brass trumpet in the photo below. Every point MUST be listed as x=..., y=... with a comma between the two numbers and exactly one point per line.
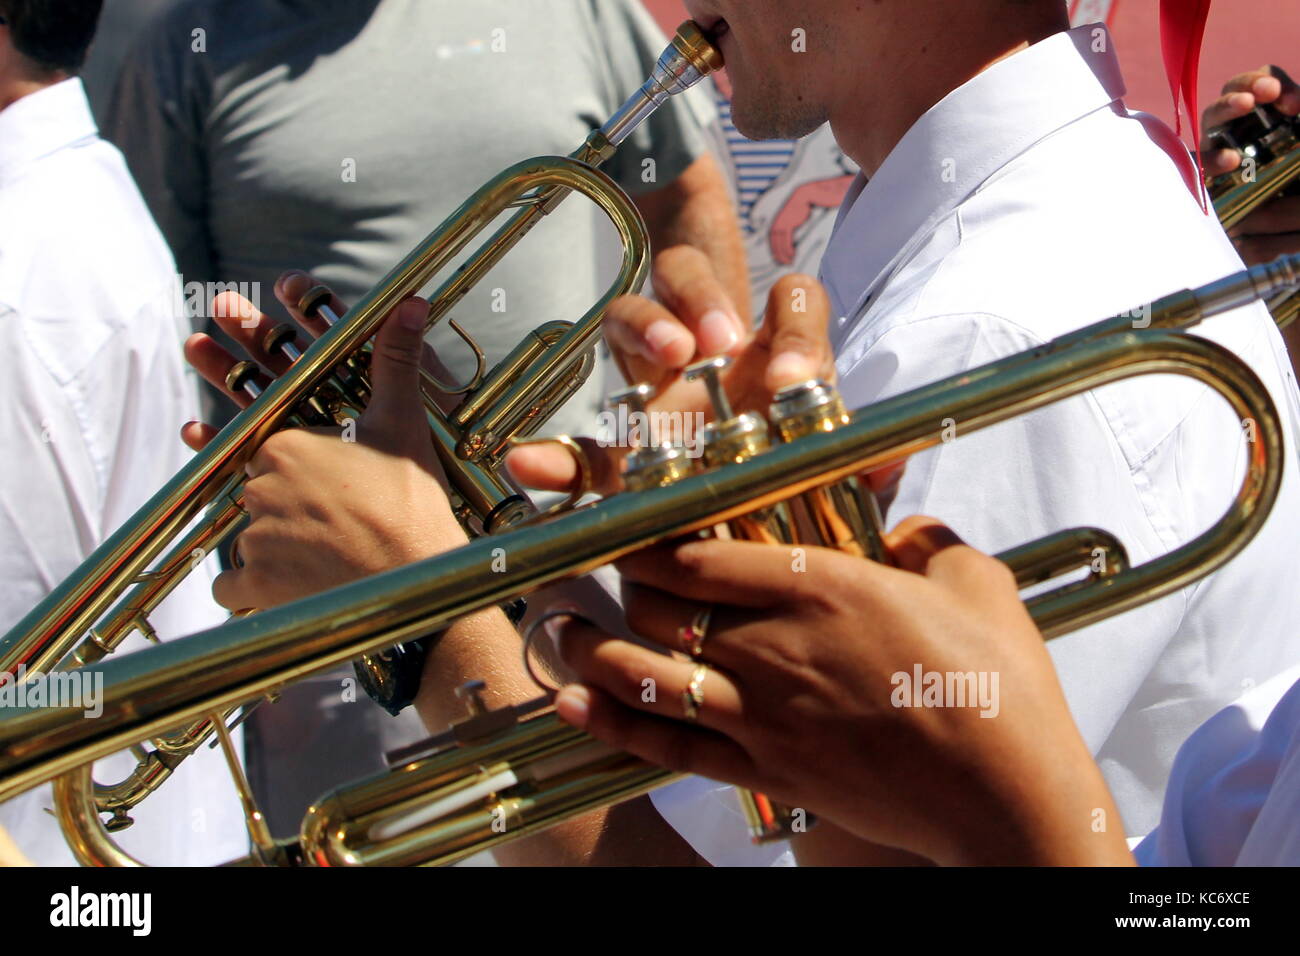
x=504, y=774
x=1269, y=142
x=112, y=593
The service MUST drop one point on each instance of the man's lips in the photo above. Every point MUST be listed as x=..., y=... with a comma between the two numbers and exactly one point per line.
x=714, y=26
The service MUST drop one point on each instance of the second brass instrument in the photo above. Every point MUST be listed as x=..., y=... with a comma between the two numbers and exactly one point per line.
x=504, y=774
x=111, y=595
x=1269, y=142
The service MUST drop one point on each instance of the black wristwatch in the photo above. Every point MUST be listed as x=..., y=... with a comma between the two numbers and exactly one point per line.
x=391, y=678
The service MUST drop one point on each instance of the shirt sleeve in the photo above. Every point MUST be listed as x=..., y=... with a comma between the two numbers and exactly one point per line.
x=1232, y=798
x=629, y=43
x=155, y=117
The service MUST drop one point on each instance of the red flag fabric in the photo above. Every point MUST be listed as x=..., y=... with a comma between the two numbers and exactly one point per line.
x=1182, y=30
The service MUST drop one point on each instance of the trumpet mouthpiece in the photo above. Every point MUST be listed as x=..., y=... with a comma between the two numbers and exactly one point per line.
x=688, y=59
x=692, y=55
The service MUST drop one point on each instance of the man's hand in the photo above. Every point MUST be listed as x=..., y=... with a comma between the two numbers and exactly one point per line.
x=248, y=327
x=326, y=511
x=330, y=506
x=696, y=210
x=695, y=318
x=802, y=698
x=1274, y=228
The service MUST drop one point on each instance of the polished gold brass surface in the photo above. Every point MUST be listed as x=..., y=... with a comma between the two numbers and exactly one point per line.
x=730, y=440
x=505, y=774
x=655, y=462
x=1269, y=142
x=113, y=592
x=845, y=515
x=1285, y=309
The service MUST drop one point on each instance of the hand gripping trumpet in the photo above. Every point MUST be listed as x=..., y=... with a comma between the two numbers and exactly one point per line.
x=114, y=591
x=503, y=774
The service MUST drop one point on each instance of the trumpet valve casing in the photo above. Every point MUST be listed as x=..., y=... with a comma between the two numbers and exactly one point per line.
x=843, y=515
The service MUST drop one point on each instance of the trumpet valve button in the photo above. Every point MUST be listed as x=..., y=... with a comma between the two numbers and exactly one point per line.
x=243, y=378
x=315, y=303
x=637, y=396
x=711, y=370
x=282, y=338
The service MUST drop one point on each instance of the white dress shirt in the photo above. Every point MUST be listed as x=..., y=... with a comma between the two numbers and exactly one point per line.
x=1027, y=203
x=1064, y=209
x=1234, y=794
x=91, y=401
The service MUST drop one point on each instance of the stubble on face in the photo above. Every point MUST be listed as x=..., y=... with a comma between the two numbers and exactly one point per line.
x=773, y=62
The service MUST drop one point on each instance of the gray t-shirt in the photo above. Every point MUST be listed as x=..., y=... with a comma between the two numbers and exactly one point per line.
x=332, y=136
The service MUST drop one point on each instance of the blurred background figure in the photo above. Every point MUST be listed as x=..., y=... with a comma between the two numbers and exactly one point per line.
x=119, y=25
x=269, y=135
x=94, y=391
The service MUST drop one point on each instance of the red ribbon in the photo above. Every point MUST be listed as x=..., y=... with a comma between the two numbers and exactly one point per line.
x=1182, y=29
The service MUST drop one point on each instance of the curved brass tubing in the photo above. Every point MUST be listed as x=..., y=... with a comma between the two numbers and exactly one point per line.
x=1235, y=201
x=532, y=773
x=114, y=591
x=436, y=808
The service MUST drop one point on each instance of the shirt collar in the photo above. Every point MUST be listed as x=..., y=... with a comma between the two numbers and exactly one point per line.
x=42, y=123
x=956, y=146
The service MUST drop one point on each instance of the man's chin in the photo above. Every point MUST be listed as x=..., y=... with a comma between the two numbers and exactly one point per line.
x=760, y=124
x=752, y=123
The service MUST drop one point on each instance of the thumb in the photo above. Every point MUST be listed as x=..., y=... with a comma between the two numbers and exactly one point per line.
x=796, y=333
x=395, y=411
x=547, y=466
x=917, y=540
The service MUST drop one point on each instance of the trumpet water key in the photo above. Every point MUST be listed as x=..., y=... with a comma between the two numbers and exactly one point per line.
x=503, y=774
